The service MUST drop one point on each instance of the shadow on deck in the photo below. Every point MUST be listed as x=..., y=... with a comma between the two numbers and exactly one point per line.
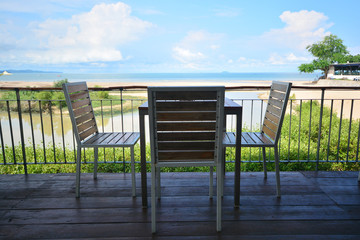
x=322, y=205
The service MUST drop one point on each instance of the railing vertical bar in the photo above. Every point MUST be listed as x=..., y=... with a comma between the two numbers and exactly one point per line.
x=112, y=115
x=309, y=131
x=320, y=126
x=52, y=129
x=2, y=143
x=21, y=129
x=112, y=124
x=251, y=120
x=260, y=123
x=102, y=115
x=291, y=103
x=330, y=124
x=84, y=155
x=32, y=131
x=242, y=104
x=357, y=147
x=11, y=132
x=62, y=130
x=251, y=114
x=261, y=112
x=42, y=130
x=351, y=114
x=299, y=130
x=122, y=109
x=341, y=115
x=122, y=123
x=132, y=115
x=102, y=124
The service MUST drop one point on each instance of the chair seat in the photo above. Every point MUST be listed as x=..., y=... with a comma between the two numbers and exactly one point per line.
x=112, y=139
x=248, y=139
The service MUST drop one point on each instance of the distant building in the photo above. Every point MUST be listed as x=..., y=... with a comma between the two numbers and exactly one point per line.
x=349, y=71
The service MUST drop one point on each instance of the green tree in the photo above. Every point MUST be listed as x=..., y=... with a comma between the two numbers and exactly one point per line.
x=328, y=51
x=58, y=84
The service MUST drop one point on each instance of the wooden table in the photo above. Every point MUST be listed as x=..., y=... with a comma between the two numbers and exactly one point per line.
x=230, y=108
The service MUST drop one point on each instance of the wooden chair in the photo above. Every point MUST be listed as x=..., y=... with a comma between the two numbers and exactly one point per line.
x=271, y=128
x=86, y=131
x=186, y=128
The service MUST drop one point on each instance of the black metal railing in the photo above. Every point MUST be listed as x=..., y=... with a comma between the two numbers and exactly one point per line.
x=34, y=131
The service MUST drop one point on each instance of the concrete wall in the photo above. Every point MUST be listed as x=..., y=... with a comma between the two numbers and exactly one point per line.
x=350, y=77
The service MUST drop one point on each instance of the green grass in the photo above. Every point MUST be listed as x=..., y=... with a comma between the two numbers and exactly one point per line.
x=111, y=167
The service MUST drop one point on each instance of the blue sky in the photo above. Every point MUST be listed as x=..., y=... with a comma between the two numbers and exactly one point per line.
x=142, y=36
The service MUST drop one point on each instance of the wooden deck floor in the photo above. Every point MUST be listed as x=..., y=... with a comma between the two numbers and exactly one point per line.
x=323, y=205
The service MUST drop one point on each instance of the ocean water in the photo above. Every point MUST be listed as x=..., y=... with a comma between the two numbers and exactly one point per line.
x=159, y=77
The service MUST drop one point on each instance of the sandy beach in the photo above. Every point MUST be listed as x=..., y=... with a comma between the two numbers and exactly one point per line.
x=320, y=83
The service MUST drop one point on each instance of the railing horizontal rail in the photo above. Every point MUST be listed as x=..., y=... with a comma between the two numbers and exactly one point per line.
x=141, y=87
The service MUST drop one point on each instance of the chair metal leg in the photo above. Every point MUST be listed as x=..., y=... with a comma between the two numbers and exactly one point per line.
x=211, y=183
x=78, y=170
x=133, y=172
x=96, y=154
x=264, y=161
x=219, y=181
x=278, y=192
x=222, y=172
x=153, y=198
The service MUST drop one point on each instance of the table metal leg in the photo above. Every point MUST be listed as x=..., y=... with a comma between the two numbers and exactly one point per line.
x=237, y=159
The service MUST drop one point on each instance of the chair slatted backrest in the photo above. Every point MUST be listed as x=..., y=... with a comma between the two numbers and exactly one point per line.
x=276, y=108
x=80, y=110
x=184, y=123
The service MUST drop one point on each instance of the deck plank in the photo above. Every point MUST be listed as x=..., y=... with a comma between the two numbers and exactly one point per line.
x=314, y=205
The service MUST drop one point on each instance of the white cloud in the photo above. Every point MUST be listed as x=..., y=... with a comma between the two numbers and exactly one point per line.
x=290, y=58
x=185, y=55
x=276, y=59
x=302, y=28
x=92, y=36
x=196, y=48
